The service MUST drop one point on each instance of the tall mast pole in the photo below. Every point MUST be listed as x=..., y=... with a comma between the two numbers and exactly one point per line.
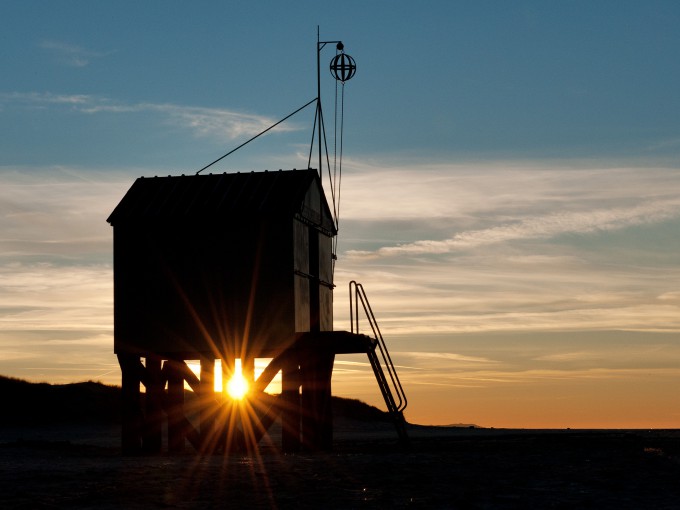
x=319, y=46
x=318, y=94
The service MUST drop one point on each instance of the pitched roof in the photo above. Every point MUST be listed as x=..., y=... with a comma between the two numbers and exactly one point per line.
x=216, y=196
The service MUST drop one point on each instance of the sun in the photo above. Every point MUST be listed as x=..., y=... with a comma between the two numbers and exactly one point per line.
x=237, y=387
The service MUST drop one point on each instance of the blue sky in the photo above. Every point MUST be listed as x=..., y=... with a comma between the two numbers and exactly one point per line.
x=510, y=191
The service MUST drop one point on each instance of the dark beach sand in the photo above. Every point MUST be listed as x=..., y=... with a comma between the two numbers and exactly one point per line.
x=81, y=467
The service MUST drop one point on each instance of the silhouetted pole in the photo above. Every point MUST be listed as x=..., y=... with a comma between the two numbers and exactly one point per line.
x=315, y=395
x=175, y=407
x=248, y=370
x=318, y=93
x=207, y=404
x=290, y=396
x=131, y=412
x=155, y=387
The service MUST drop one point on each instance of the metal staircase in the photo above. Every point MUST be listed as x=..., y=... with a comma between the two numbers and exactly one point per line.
x=380, y=359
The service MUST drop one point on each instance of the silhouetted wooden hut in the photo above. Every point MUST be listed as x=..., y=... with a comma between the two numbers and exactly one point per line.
x=226, y=267
x=222, y=263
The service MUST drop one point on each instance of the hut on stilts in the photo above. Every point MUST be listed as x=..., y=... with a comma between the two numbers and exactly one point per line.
x=223, y=269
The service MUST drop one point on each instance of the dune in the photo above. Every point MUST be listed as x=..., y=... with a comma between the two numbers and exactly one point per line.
x=29, y=403
x=41, y=403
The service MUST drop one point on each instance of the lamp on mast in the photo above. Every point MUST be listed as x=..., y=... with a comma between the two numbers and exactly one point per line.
x=342, y=67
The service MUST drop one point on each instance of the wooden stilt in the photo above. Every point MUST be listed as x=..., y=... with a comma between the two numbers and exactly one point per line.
x=155, y=385
x=248, y=370
x=325, y=402
x=290, y=412
x=247, y=408
x=175, y=406
x=207, y=403
x=131, y=412
x=317, y=415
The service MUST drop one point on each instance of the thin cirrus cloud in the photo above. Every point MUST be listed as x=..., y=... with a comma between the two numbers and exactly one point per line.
x=52, y=213
x=503, y=246
x=490, y=203
x=71, y=55
x=497, y=377
x=218, y=123
x=449, y=359
x=381, y=190
x=48, y=297
x=549, y=225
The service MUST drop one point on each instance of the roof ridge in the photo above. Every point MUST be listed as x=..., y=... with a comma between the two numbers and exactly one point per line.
x=223, y=195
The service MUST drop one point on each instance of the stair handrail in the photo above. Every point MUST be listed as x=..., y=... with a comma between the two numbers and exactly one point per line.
x=356, y=294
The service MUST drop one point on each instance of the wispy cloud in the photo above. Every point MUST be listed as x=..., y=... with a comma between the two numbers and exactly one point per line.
x=495, y=190
x=53, y=215
x=219, y=123
x=447, y=356
x=42, y=98
x=543, y=227
x=71, y=55
x=536, y=376
x=451, y=248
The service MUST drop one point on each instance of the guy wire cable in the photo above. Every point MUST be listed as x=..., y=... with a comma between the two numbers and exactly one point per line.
x=256, y=136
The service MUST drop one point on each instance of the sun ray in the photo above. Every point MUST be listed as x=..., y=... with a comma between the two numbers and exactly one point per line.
x=237, y=387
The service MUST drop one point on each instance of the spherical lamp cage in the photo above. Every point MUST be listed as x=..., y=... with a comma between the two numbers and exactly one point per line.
x=343, y=67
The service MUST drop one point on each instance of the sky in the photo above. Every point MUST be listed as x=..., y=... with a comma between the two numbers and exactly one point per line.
x=510, y=193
